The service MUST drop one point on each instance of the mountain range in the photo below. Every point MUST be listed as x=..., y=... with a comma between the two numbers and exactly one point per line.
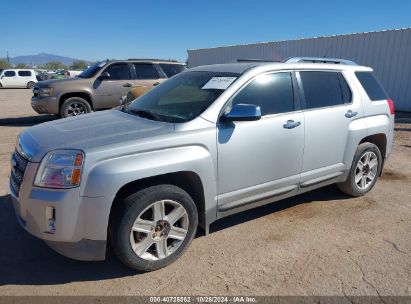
x=41, y=58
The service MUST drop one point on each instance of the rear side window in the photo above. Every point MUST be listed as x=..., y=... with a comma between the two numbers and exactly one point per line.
x=119, y=71
x=324, y=89
x=24, y=73
x=9, y=73
x=171, y=69
x=146, y=71
x=273, y=93
x=371, y=86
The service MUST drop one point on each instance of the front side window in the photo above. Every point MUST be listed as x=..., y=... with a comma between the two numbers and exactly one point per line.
x=324, y=89
x=146, y=71
x=183, y=97
x=119, y=71
x=24, y=73
x=171, y=69
x=272, y=92
x=92, y=70
x=9, y=73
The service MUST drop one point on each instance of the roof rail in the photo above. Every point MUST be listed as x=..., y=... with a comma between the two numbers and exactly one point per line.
x=320, y=60
x=152, y=59
x=255, y=60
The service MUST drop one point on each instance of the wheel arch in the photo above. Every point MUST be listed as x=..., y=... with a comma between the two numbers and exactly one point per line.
x=84, y=95
x=379, y=139
x=187, y=180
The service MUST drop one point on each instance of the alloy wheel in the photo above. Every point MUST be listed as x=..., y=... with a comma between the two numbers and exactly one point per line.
x=76, y=108
x=159, y=230
x=366, y=170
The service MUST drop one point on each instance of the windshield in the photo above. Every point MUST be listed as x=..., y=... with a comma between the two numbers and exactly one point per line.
x=92, y=70
x=183, y=97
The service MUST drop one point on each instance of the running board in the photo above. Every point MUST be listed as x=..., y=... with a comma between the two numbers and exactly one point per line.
x=271, y=194
x=318, y=180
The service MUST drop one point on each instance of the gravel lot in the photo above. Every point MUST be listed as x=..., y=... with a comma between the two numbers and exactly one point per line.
x=319, y=243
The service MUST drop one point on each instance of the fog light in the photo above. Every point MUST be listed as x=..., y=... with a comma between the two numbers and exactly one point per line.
x=51, y=219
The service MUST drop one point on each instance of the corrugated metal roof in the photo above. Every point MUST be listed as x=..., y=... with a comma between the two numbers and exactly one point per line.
x=298, y=39
x=388, y=52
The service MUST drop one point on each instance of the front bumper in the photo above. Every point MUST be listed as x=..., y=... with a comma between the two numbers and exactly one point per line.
x=45, y=105
x=81, y=222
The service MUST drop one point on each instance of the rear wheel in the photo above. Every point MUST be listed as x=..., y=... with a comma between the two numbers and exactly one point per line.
x=74, y=106
x=364, y=172
x=152, y=228
x=30, y=85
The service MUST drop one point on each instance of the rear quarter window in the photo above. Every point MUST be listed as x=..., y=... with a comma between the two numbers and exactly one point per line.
x=24, y=73
x=371, y=86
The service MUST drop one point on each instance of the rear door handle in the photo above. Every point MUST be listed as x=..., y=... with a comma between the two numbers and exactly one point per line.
x=156, y=84
x=127, y=85
x=350, y=114
x=291, y=124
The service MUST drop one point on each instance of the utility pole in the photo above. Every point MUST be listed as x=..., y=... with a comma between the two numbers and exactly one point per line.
x=8, y=58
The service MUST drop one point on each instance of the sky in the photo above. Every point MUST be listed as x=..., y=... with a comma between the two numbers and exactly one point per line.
x=101, y=29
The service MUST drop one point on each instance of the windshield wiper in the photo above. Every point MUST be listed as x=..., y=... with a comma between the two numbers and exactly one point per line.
x=144, y=113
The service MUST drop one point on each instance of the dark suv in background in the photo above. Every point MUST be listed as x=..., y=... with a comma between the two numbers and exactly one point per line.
x=100, y=86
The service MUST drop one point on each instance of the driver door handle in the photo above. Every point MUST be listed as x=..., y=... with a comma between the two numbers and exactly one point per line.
x=127, y=85
x=291, y=124
x=350, y=114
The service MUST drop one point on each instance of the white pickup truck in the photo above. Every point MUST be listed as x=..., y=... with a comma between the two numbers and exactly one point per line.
x=72, y=73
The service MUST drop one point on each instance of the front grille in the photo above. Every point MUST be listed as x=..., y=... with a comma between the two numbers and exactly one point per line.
x=18, y=166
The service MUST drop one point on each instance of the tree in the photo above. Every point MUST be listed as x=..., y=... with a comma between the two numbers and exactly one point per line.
x=21, y=66
x=55, y=65
x=78, y=65
x=4, y=64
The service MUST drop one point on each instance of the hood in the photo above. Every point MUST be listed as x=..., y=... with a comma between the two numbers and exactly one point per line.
x=54, y=82
x=89, y=131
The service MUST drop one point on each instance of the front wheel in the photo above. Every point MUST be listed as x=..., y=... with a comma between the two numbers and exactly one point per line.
x=30, y=85
x=364, y=172
x=74, y=106
x=152, y=228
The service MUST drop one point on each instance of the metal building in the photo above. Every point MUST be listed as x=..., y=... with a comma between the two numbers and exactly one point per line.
x=387, y=52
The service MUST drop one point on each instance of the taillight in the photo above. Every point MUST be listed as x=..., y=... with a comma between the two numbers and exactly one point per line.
x=391, y=106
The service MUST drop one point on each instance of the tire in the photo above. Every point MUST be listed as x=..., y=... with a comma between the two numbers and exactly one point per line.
x=360, y=181
x=74, y=106
x=157, y=242
x=30, y=85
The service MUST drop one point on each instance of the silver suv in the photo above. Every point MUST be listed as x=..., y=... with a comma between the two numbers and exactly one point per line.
x=209, y=142
x=100, y=86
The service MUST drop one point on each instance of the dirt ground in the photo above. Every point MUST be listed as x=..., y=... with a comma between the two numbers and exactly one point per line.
x=319, y=243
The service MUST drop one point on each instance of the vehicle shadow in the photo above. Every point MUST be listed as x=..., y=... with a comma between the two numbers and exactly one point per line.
x=26, y=260
x=327, y=193
x=26, y=121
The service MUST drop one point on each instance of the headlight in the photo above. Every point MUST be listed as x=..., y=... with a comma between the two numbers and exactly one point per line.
x=60, y=169
x=46, y=92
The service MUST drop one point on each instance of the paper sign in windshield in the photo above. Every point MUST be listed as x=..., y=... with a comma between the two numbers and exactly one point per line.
x=219, y=83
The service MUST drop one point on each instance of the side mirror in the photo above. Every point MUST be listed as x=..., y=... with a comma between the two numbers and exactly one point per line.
x=104, y=76
x=243, y=112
